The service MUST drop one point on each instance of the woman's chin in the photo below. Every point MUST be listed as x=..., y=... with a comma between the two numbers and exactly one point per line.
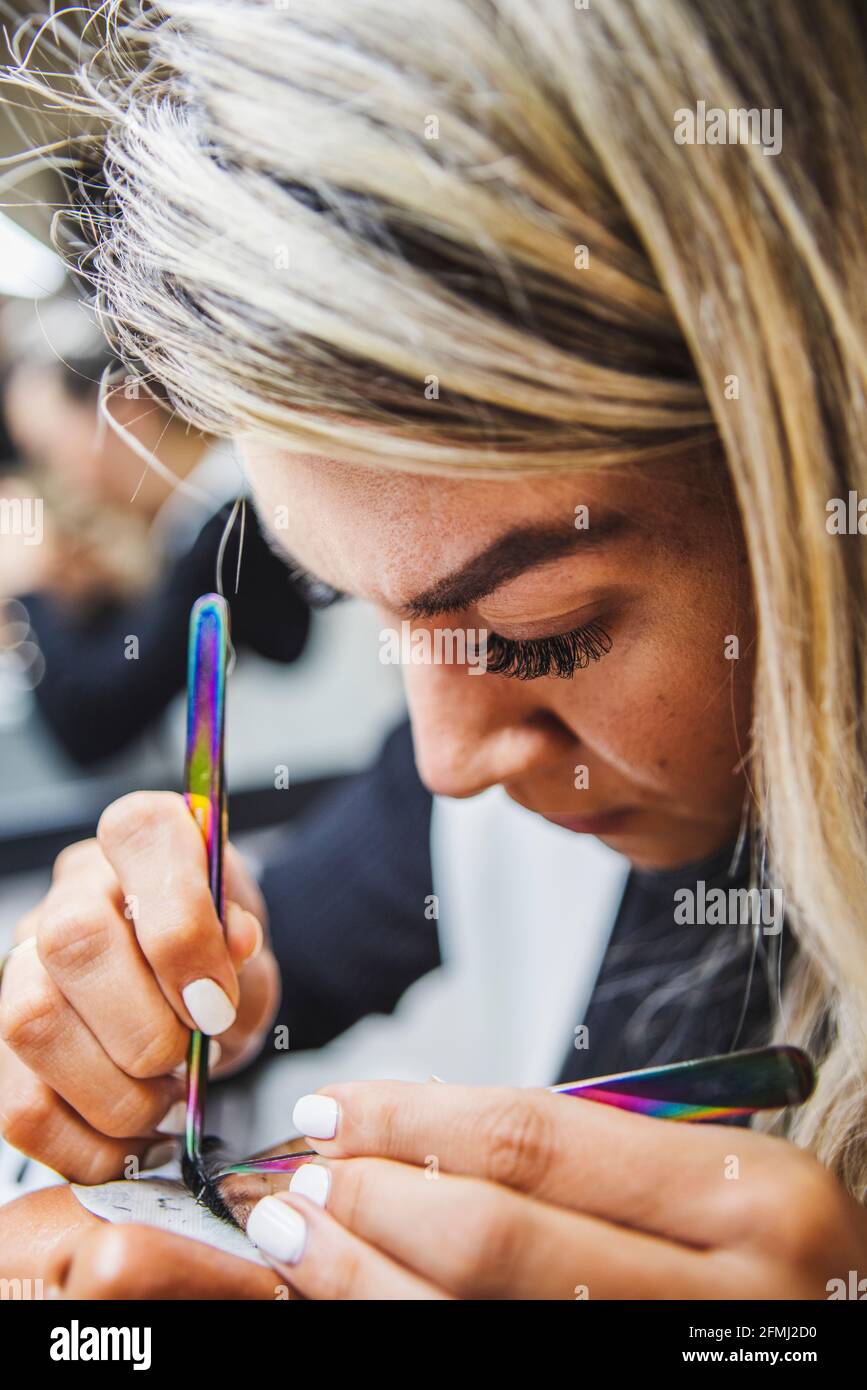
x=602, y=823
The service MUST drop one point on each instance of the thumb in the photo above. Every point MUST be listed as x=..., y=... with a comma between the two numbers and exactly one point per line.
x=139, y=1262
x=245, y=935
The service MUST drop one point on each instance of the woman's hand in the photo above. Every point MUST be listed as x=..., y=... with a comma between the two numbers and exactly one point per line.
x=110, y=972
x=435, y=1191
x=50, y=1240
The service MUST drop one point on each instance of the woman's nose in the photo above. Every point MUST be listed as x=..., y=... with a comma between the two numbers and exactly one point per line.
x=475, y=731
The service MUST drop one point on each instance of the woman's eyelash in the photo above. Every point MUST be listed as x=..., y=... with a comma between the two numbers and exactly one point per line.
x=527, y=660
x=315, y=592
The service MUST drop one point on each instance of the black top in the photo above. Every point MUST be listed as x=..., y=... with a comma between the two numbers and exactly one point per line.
x=346, y=900
x=669, y=990
x=95, y=700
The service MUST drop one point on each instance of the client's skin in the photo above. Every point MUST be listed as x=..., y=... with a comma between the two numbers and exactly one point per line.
x=49, y=1235
x=534, y=1197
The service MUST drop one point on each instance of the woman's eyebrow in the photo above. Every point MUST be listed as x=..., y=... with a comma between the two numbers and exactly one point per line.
x=520, y=549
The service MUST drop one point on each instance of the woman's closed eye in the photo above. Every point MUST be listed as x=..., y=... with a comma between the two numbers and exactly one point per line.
x=315, y=592
x=528, y=659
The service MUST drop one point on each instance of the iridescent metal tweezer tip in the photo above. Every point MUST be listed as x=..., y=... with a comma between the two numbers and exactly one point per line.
x=706, y=1088
x=205, y=795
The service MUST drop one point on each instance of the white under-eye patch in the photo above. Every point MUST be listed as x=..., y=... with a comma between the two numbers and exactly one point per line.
x=164, y=1202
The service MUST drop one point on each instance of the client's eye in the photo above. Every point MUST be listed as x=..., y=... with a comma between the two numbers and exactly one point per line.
x=528, y=659
x=314, y=591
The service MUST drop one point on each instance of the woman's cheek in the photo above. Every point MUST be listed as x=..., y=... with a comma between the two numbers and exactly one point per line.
x=664, y=710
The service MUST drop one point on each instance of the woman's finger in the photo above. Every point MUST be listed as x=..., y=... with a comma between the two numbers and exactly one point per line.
x=156, y=849
x=241, y=886
x=580, y=1154
x=46, y=1034
x=323, y=1260
x=94, y=958
x=477, y=1240
x=141, y=1262
x=260, y=997
x=36, y=1122
x=90, y=951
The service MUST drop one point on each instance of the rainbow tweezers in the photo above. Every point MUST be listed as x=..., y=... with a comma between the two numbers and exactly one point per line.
x=205, y=794
x=708, y=1088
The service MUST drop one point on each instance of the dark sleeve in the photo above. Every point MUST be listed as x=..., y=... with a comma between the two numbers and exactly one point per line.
x=96, y=701
x=346, y=900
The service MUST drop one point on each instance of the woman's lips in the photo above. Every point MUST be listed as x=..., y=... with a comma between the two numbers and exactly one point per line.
x=605, y=823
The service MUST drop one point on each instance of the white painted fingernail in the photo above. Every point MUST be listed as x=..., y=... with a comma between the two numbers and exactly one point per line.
x=26, y=945
x=174, y=1119
x=278, y=1229
x=210, y=1007
x=160, y=1153
x=215, y=1052
x=260, y=941
x=316, y=1116
x=311, y=1180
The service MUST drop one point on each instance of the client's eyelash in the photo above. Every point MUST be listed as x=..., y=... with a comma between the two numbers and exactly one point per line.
x=315, y=592
x=528, y=659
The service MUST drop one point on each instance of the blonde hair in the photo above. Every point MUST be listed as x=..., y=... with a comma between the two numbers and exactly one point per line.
x=356, y=227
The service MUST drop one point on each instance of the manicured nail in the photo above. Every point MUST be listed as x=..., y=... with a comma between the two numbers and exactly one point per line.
x=215, y=1052
x=311, y=1180
x=278, y=1229
x=237, y=919
x=260, y=940
x=158, y=1154
x=210, y=1007
x=174, y=1119
x=316, y=1116
x=19, y=949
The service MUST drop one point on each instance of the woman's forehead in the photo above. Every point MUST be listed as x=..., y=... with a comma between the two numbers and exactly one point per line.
x=337, y=518
x=321, y=490
x=311, y=483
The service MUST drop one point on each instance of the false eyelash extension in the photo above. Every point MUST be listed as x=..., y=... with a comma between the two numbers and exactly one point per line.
x=200, y=1174
x=528, y=659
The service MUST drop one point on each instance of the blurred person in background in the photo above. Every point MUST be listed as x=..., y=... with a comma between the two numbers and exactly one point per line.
x=231, y=125
x=123, y=551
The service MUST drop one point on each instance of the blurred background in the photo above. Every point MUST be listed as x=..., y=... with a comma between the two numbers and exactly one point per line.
x=100, y=560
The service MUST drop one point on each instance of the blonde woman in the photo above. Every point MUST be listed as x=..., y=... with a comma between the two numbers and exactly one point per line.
x=547, y=321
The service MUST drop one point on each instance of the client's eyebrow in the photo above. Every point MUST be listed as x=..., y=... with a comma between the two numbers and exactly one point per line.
x=520, y=549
